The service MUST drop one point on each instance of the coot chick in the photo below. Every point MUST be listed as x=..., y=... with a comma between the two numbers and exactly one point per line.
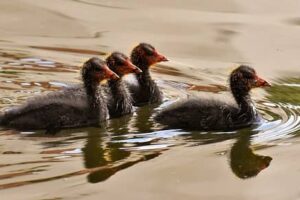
x=72, y=107
x=210, y=114
x=146, y=91
x=119, y=99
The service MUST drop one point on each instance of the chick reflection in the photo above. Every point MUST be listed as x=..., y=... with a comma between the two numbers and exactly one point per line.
x=243, y=161
x=143, y=121
x=118, y=127
x=98, y=156
x=104, y=155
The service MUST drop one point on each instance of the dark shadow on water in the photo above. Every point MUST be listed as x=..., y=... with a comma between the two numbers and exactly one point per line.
x=102, y=150
x=202, y=138
x=142, y=120
x=244, y=163
x=93, y=153
x=98, y=152
x=102, y=158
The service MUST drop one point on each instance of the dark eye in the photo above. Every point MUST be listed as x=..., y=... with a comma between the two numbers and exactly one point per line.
x=248, y=75
x=119, y=62
x=97, y=69
x=149, y=51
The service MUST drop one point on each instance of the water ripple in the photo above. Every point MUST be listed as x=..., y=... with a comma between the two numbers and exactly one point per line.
x=286, y=125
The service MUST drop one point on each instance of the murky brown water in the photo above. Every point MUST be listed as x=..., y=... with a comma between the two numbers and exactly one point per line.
x=43, y=45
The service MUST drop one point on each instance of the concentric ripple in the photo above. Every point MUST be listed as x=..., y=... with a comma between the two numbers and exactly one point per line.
x=286, y=123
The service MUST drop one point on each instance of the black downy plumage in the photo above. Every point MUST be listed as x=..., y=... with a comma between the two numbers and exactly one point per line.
x=146, y=91
x=118, y=97
x=211, y=114
x=81, y=105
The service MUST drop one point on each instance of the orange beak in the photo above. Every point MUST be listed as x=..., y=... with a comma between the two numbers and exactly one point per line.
x=108, y=74
x=160, y=57
x=259, y=82
x=132, y=68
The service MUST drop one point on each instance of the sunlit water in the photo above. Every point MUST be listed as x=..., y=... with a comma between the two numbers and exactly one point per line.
x=93, y=155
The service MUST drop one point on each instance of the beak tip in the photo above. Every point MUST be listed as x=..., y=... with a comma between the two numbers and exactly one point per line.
x=114, y=77
x=138, y=71
x=161, y=58
x=165, y=59
x=266, y=84
x=261, y=82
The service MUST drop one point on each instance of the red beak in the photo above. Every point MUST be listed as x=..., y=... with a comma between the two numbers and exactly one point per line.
x=261, y=82
x=160, y=58
x=108, y=74
x=132, y=67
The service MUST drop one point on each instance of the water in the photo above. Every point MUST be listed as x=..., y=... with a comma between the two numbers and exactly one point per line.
x=134, y=151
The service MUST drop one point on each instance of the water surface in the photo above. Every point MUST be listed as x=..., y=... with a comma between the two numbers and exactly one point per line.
x=133, y=157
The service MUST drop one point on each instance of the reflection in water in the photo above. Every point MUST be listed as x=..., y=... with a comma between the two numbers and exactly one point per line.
x=142, y=120
x=243, y=161
x=118, y=127
x=98, y=152
x=210, y=137
x=101, y=158
x=93, y=153
x=104, y=148
x=101, y=148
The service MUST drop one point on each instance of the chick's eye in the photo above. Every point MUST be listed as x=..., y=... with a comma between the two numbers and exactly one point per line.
x=97, y=69
x=149, y=52
x=119, y=62
x=248, y=76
